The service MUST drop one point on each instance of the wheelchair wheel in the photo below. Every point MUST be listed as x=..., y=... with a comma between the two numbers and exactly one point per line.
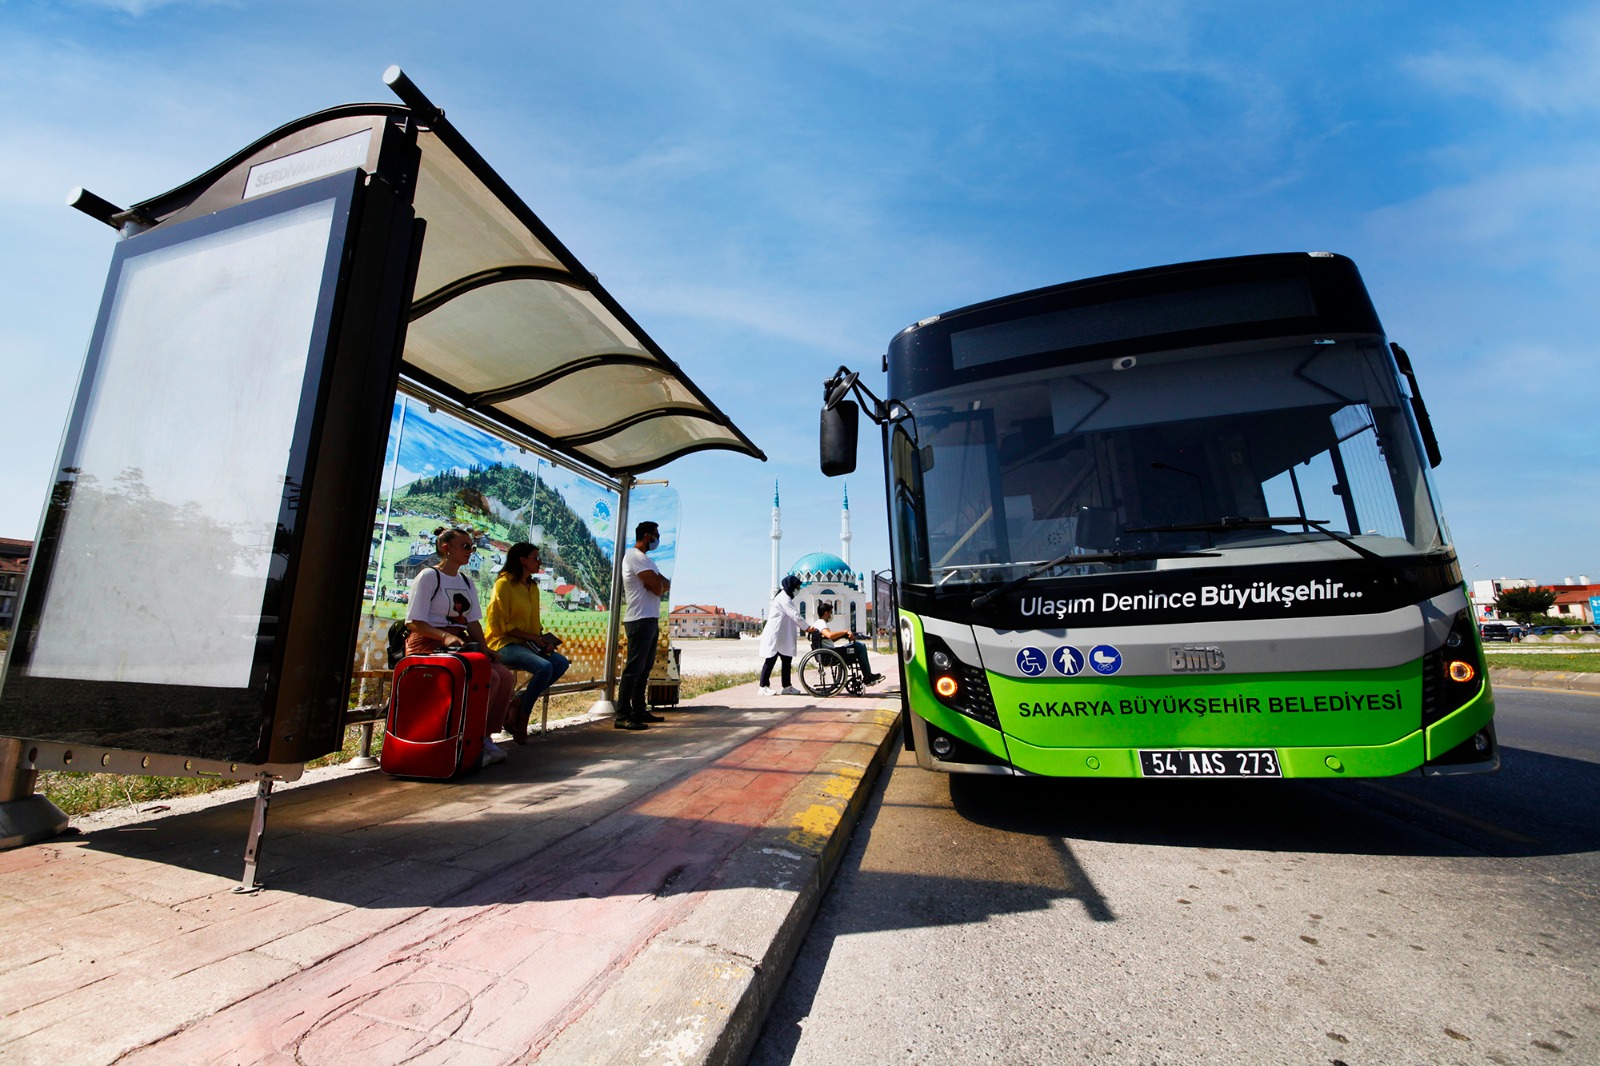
x=823, y=672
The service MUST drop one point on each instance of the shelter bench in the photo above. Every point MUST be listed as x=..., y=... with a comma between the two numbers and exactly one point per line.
x=372, y=706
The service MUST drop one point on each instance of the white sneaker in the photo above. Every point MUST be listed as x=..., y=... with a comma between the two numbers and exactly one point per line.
x=765, y=691
x=492, y=753
x=790, y=690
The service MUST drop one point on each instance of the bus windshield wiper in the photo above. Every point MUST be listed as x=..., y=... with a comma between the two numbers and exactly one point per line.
x=1094, y=557
x=1229, y=523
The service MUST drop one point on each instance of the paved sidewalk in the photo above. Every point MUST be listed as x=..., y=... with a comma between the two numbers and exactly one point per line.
x=605, y=896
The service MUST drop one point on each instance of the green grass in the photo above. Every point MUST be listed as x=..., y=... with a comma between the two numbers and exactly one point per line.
x=84, y=793
x=1538, y=660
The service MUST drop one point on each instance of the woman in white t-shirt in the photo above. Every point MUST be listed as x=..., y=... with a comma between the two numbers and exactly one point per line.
x=444, y=613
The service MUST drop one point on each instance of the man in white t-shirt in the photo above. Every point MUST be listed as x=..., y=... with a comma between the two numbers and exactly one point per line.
x=644, y=585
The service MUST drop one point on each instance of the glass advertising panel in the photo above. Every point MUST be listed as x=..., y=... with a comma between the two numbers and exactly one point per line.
x=165, y=550
x=155, y=602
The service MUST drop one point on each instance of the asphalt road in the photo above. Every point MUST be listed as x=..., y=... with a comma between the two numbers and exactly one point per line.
x=1404, y=920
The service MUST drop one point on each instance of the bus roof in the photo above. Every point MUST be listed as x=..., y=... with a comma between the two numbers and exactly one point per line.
x=1233, y=300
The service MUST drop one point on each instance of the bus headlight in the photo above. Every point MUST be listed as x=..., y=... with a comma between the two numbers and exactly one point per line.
x=1453, y=672
x=962, y=687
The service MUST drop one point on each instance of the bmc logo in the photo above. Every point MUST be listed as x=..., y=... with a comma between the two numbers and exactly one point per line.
x=1195, y=659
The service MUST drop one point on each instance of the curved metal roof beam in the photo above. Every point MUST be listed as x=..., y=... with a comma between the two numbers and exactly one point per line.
x=461, y=286
x=578, y=440
x=587, y=362
x=663, y=460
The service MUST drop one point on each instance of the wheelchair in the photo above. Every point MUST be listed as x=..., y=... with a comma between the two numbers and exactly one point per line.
x=826, y=670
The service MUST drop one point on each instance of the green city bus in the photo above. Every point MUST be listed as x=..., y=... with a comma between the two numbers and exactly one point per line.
x=1177, y=522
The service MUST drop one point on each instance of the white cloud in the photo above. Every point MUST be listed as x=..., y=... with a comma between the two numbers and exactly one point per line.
x=1542, y=217
x=140, y=8
x=1563, y=80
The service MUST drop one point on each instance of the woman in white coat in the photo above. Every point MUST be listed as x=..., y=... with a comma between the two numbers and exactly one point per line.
x=784, y=624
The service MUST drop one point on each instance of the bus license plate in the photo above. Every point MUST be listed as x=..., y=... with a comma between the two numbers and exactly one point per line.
x=1214, y=762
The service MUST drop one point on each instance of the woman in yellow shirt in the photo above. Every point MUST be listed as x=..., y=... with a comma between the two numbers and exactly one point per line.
x=512, y=627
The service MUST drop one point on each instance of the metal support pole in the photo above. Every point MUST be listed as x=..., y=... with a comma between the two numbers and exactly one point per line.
x=24, y=817
x=618, y=601
x=544, y=715
x=388, y=508
x=365, y=760
x=258, y=828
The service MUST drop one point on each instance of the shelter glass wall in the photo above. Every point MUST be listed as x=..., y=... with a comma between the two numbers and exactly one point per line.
x=440, y=471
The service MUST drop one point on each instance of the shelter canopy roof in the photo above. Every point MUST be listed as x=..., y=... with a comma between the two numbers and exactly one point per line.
x=505, y=322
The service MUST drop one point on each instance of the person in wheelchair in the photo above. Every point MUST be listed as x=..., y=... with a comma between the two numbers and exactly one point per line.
x=855, y=649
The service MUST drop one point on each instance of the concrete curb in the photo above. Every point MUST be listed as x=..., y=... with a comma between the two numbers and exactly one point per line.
x=700, y=991
x=1587, y=684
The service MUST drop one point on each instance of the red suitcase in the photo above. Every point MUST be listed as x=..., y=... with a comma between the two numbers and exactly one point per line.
x=438, y=712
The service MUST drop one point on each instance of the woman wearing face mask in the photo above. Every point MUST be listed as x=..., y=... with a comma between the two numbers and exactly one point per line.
x=784, y=624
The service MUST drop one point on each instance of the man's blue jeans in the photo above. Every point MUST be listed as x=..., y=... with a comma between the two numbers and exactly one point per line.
x=546, y=671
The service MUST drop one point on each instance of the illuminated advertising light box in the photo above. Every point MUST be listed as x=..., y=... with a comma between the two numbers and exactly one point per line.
x=196, y=580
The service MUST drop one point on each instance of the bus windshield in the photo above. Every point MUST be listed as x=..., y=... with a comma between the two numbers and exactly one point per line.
x=1162, y=455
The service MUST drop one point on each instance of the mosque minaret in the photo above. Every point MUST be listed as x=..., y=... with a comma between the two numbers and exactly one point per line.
x=777, y=536
x=844, y=527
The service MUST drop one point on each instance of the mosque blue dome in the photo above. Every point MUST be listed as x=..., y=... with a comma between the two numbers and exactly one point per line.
x=819, y=563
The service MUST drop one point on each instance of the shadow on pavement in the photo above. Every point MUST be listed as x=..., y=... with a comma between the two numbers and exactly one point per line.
x=1537, y=804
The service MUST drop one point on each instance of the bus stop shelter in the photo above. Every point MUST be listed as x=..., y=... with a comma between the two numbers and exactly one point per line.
x=437, y=281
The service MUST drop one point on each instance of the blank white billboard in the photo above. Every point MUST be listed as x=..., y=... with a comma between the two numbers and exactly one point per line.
x=165, y=548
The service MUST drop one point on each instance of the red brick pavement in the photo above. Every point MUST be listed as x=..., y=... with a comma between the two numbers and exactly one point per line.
x=492, y=972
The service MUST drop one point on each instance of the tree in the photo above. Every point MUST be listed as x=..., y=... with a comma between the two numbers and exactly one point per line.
x=1524, y=604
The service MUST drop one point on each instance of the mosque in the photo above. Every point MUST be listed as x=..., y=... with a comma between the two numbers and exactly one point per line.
x=825, y=577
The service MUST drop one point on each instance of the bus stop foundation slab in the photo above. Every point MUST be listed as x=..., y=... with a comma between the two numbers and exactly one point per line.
x=604, y=896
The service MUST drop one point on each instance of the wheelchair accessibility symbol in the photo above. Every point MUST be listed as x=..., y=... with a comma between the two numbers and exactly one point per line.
x=1105, y=659
x=1031, y=662
x=1067, y=660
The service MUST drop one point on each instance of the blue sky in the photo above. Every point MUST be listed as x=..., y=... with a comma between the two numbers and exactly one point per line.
x=772, y=191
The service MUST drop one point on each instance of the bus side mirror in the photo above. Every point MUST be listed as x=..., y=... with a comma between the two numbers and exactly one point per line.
x=1430, y=442
x=841, y=425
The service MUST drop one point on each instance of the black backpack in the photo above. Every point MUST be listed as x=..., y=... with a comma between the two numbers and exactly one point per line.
x=397, y=641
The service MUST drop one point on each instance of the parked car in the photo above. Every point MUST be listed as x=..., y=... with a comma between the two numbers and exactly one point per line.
x=1544, y=631
x=1499, y=632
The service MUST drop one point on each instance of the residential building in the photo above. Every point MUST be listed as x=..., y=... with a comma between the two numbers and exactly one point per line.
x=1572, y=597
x=14, y=555
x=701, y=620
x=1574, y=601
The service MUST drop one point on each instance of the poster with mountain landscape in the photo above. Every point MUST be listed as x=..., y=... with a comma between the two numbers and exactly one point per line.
x=441, y=472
